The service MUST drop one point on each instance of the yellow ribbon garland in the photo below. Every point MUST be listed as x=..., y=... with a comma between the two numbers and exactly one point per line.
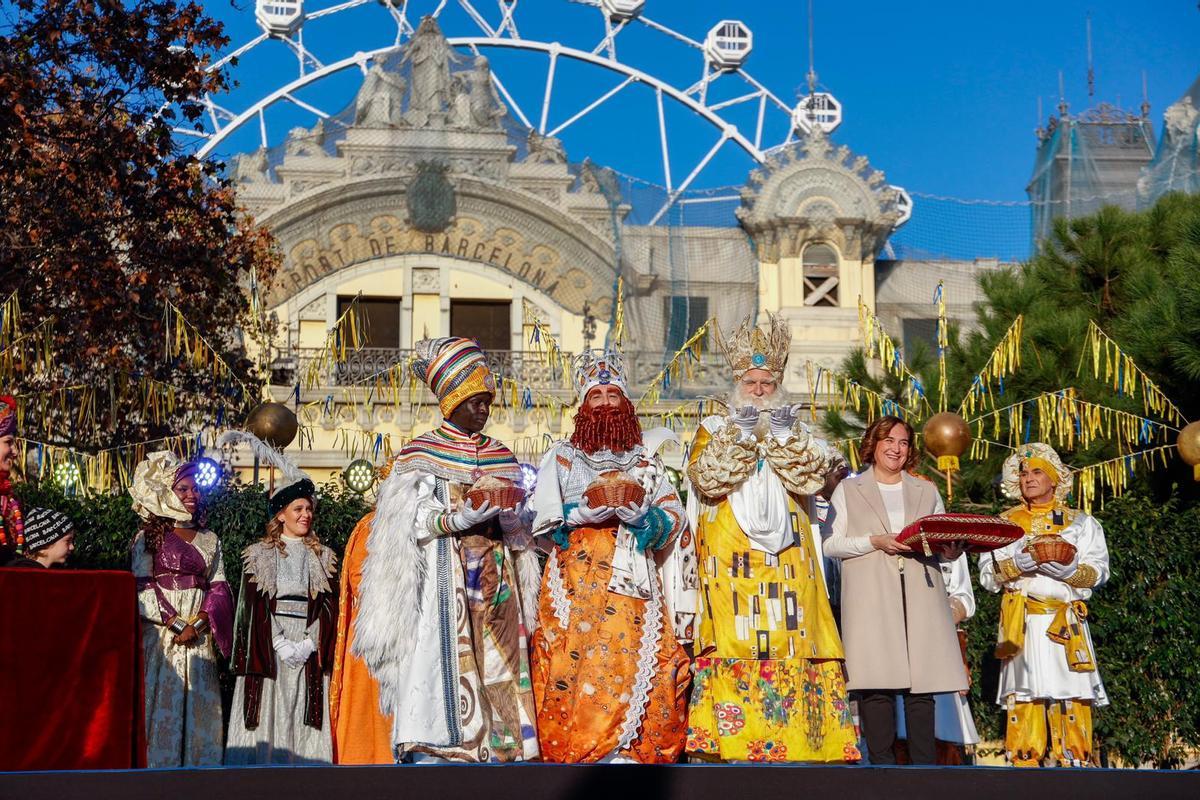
x=183, y=340
x=1004, y=361
x=347, y=335
x=878, y=344
x=681, y=363
x=1124, y=375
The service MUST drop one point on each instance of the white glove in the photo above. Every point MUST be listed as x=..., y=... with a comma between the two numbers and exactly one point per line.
x=469, y=516
x=633, y=514
x=512, y=519
x=1024, y=561
x=284, y=648
x=745, y=418
x=1060, y=571
x=782, y=420
x=301, y=650
x=583, y=514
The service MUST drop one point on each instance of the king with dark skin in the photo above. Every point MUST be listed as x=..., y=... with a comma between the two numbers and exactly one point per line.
x=471, y=415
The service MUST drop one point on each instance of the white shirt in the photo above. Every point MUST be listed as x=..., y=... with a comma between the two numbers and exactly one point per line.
x=893, y=503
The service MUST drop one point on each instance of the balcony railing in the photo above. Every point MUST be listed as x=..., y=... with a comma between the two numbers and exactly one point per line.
x=709, y=375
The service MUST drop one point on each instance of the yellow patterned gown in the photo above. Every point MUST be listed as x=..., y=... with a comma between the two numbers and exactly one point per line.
x=769, y=682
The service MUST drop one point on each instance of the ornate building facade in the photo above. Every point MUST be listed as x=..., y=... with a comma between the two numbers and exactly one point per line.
x=425, y=201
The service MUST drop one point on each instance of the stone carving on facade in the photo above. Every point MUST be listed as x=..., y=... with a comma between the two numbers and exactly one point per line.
x=430, y=57
x=810, y=190
x=380, y=100
x=426, y=280
x=1180, y=120
x=252, y=168
x=486, y=109
x=304, y=142
x=544, y=149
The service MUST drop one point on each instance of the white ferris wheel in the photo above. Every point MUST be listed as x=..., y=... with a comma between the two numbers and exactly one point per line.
x=298, y=48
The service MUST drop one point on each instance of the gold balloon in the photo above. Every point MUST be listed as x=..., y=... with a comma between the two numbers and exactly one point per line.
x=1189, y=447
x=274, y=423
x=947, y=434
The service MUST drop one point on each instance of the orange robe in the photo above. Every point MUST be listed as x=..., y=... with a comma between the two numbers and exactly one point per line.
x=585, y=673
x=362, y=734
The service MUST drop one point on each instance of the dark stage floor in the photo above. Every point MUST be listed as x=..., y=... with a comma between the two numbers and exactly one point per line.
x=614, y=782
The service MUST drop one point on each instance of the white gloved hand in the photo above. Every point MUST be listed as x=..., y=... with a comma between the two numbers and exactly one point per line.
x=583, y=514
x=1060, y=571
x=300, y=652
x=284, y=648
x=633, y=514
x=469, y=516
x=745, y=418
x=1024, y=561
x=512, y=519
x=782, y=420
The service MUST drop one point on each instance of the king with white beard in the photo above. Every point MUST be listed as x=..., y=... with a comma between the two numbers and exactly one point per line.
x=768, y=682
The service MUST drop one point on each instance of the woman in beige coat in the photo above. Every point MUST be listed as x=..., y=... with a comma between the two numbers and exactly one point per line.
x=897, y=624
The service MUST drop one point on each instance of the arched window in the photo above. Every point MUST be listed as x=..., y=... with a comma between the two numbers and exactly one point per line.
x=820, y=275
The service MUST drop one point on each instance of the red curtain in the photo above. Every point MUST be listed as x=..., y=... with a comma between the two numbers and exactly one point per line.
x=70, y=670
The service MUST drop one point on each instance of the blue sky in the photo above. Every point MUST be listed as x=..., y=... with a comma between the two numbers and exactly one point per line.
x=942, y=96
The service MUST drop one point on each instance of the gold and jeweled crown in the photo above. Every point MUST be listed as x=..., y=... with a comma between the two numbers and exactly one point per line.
x=751, y=347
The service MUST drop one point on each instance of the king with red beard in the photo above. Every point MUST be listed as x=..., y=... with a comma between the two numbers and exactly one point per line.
x=610, y=678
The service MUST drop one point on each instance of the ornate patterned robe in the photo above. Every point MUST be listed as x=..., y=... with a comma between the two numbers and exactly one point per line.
x=610, y=678
x=183, y=695
x=769, y=681
x=441, y=620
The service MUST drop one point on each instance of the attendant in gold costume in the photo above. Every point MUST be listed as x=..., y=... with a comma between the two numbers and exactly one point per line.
x=769, y=682
x=1049, y=682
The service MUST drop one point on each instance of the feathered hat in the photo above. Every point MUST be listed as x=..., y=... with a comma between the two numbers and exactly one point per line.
x=1040, y=456
x=295, y=484
x=751, y=347
x=599, y=367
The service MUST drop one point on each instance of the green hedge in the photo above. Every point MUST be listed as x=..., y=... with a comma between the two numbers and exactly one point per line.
x=105, y=524
x=1145, y=622
x=1146, y=627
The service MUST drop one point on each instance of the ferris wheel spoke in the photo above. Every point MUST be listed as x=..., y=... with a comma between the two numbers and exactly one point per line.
x=592, y=106
x=683, y=187
x=262, y=127
x=549, y=87
x=750, y=79
x=758, y=125
x=662, y=136
x=508, y=98
x=478, y=19
x=669, y=32
x=609, y=42
x=507, y=23
x=307, y=107
x=192, y=132
x=746, y=98
x=324, y=12
x=400, y=16
x=238, y=53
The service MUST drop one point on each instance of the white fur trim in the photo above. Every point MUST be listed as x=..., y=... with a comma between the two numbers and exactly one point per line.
x=394, y=572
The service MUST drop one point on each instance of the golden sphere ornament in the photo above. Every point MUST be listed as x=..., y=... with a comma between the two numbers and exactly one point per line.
x=274, y=423
x=947, y=436
x=1189, y=447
